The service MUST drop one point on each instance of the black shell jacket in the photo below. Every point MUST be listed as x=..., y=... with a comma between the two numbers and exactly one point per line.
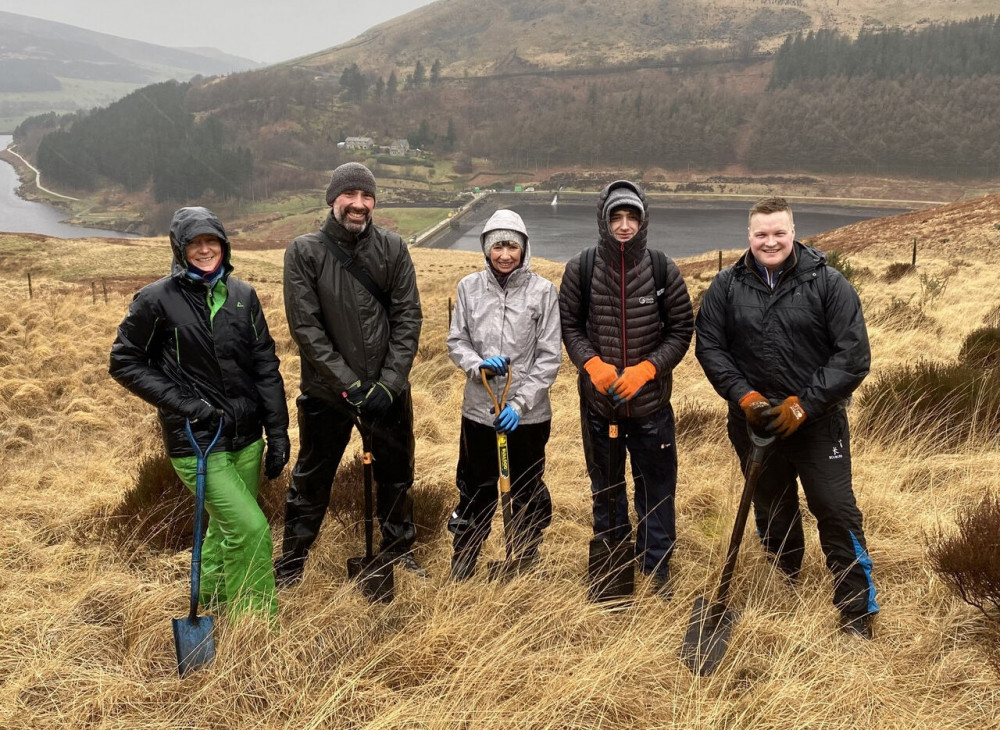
x=806, y=338
x=343, y=332
x=170, y=352
x=623, y=325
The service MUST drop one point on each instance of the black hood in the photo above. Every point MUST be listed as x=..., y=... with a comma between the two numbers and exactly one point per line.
x=609, y=245
x=188, y=223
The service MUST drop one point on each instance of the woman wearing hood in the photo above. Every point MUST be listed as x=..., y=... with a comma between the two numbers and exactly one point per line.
x=196, y=346
x=506, y=319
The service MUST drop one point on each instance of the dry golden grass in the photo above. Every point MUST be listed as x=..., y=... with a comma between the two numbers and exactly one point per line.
x=85, y=620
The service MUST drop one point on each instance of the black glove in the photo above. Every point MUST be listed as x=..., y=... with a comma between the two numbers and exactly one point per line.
x=198, y=410
x=377, y=402
x=355, y=394
x=278, y=450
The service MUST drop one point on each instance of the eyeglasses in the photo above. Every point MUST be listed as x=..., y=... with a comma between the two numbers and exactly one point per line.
x=506, y=246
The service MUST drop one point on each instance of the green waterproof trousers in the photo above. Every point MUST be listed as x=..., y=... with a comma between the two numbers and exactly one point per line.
x=236, y=568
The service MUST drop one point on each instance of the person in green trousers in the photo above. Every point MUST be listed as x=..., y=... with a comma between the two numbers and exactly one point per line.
x=195, y=345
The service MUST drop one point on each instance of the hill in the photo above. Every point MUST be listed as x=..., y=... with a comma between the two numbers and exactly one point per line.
x=476, y=38
x=90, y=586
x=48, y=66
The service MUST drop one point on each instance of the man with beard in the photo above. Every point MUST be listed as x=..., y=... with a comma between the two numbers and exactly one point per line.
x=353, y=310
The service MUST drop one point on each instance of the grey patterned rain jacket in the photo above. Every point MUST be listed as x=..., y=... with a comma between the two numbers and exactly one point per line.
x=520, y=322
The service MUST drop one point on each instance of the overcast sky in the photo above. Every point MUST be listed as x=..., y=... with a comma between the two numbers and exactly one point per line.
x=261, y=30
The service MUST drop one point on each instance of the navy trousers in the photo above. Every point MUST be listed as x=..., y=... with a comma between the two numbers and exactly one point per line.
x=819, y=455
x=651, y=448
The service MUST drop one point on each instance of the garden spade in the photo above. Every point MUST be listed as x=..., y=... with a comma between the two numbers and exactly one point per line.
x=372, y=572
x=611, y=567
x=711, y=624
x=193, y=637
x=510, y=567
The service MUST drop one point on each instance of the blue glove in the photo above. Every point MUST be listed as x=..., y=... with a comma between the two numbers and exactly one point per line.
x=495, y=365
x=507, y=420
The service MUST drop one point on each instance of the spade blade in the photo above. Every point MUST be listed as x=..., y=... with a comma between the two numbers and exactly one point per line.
x=707, y=637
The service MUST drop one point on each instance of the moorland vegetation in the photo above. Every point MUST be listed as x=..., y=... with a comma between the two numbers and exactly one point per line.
x=94, y=563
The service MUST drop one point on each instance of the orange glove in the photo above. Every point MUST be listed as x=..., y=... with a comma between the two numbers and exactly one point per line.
x=632, y=379
x=755, y=406
x=602, y=375
x=786, y=417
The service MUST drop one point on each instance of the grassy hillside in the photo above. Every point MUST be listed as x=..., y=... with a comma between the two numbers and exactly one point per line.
x=87, y=600
x=485, y=38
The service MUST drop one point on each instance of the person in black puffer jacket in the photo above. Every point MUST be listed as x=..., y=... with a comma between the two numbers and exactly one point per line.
x=782, y=338
x=626, y=346
x=195, y=344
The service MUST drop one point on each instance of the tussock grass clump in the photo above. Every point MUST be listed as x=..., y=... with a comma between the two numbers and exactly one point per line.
x=158, y=511
x=981, y=349
x=896, y=271
x=899, y=315
x=950, y=404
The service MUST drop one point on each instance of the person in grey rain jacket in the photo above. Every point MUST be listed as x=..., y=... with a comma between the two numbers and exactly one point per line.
x=506, y=319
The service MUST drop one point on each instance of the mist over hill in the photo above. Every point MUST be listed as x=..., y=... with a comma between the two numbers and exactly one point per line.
x=49, y=66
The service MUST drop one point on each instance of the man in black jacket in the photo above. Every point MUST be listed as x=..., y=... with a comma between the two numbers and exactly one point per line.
x=781, y=337
x=357, y=336
x=626, y=340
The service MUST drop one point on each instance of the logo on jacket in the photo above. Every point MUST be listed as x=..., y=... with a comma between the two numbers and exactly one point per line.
x=239, y=304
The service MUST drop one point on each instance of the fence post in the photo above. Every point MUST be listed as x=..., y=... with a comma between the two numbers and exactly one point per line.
x=31, y=294
x=914, y=262
x=720, y=260
x=104, y=285
x=449, y=313
x=93, y=292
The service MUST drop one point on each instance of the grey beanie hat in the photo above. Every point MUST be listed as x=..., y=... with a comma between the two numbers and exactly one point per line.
x=350, y=176
x=623, y=197
x=503, y=234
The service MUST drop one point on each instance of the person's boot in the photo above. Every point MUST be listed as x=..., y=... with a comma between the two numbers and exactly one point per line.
x=858, y=624
x=409, y=563
x=288, y=572
x=463, y=564
x=659, y=581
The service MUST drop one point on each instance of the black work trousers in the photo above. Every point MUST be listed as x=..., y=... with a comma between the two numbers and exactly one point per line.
x=650, y=443
x=477, y=475
x=324, y=432
x=819, y=455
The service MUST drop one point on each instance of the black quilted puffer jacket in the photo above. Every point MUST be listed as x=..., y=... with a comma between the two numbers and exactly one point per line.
x=623, y=324
x=172, y=352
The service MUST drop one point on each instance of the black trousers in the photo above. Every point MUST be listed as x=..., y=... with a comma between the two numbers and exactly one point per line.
x=650, y=443
x=477, y=475
x=819, y=455
x=324, y=431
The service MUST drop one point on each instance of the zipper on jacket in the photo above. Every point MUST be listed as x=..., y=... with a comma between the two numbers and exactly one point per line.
x=628, y=410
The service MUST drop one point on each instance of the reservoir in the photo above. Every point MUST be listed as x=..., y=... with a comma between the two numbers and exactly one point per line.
x=25, y=216
x=557, y=232
x=680, y=229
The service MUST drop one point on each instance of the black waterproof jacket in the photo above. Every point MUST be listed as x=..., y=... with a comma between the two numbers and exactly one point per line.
x=343, y=332
x=171, y=353
x=623, y=325
x=807, y=337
